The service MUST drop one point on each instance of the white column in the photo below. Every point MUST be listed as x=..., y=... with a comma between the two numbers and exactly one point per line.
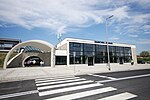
x=52, y=57
x=133, y=51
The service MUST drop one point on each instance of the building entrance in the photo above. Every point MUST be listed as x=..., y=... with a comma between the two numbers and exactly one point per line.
x=121, y=60
x=90, y=61
x=61, y=60
x=33, y=61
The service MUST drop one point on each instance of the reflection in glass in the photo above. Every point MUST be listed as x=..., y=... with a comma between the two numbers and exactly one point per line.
x=99, y=53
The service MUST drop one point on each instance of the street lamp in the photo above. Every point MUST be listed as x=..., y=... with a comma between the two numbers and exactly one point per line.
x=107, y=42
x=74, y=55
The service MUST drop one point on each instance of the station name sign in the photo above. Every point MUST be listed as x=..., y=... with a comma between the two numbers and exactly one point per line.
x=103, y=42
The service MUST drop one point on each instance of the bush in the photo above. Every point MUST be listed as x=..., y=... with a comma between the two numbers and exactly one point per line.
x=144, y=54
x=145, y=59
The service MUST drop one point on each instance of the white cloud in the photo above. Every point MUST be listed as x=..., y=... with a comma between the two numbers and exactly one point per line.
x=61, y=16
x=136, y=23
x=144, y=3
x=141, y=18
x=143, y=41
x=120, y=13
x=114, y=38
x=146, y=26
x=146, y=29
x=133, y=35
x=147, y=32
x=58, y=15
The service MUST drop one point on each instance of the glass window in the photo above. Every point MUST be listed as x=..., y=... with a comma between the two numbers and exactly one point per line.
x=127, y=59
x=100, y=59
x=89, y=54
x=99, y=53
x=61, y=60
x=89, y=47
x=101, y=48
x=127, y=51
x=75, y=46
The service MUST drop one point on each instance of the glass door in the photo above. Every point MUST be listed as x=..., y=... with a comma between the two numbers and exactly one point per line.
x=90, y=61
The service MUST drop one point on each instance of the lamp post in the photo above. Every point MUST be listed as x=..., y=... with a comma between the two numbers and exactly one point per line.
x=74, y=55
x=107, y=42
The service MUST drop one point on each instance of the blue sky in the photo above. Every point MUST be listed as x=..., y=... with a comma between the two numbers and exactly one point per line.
x=45, y=19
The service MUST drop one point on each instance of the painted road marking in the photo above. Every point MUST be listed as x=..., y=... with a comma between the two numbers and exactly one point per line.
x=83, y=94
x=56, y=79
x=124, y=78
x=50, y=83
x=68, y=89
x=112, y=78
x=18, y=94
x=48, y=79
x=122, y=96
x=61, y=85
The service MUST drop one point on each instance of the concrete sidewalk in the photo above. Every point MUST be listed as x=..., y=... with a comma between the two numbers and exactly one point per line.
x=15, y=74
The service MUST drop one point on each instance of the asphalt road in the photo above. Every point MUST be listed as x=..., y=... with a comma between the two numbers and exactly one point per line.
x=9, y=88
x=134, y=85
x=138, y=86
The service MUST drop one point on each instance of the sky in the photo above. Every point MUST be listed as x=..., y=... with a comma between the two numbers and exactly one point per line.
x=49, y=20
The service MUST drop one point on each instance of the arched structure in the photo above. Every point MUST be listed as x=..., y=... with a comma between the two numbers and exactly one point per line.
x=38, y=60
x=42, y=45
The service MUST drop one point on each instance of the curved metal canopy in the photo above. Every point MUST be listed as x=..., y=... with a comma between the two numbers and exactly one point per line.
x=42, y=45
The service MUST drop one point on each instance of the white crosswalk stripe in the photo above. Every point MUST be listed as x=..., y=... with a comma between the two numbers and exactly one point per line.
x=68, y=89
x=76, y=88
x=51, y=80
x=61, y=85
x=83, y=94
x=122, y=96
x=57, y=82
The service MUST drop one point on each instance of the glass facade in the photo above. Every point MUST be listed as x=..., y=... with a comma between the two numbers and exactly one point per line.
x=84, y=51
x=101, y=54
x=61, y=60
x=78, y=49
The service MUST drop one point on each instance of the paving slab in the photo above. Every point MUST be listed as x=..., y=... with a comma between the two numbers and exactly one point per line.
x=15, y=74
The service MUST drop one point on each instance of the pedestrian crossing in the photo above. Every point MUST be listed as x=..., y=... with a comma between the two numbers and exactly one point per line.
x=58, y=82
x=63, y=85
x=77, y=88
x=121, y=96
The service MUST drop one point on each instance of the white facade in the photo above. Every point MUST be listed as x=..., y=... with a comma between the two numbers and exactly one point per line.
x=64, y=45
x=62, y=52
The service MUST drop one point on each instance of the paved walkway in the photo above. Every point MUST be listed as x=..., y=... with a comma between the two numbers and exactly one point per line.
x=13, y=74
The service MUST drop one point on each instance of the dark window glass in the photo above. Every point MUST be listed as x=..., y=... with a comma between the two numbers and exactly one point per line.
x=101, y=48
x=127, y=51
x=100, y=59
x=89, y=47
x=99, y=53
x=77, y=59
x=61, y=60
x=75, y=46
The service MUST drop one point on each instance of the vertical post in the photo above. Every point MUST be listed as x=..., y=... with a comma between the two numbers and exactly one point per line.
x=107, y=43
x=74, y=55
x=108, y=63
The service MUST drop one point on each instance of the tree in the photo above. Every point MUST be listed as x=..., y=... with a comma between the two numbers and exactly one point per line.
x=144, y=54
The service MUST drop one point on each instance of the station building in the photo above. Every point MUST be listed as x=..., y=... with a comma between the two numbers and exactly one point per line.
x=91, y=52
x=68, y=52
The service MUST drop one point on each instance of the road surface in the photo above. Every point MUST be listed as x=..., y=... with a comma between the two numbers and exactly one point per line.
x=134, y=85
